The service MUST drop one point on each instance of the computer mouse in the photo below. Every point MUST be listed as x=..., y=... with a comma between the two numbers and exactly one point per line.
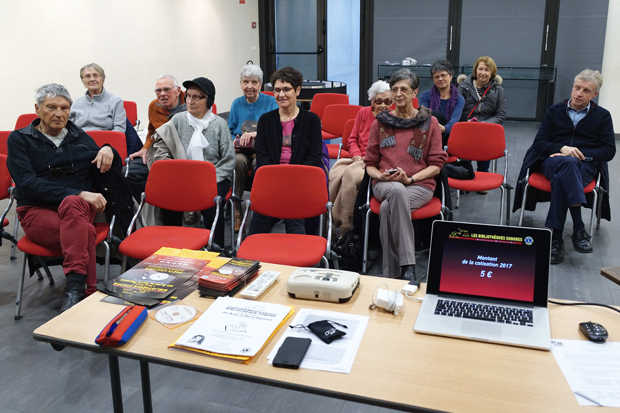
x=593, y=331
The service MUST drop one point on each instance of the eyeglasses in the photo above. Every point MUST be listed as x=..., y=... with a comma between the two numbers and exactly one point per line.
x=92, y=75
x=194, y=97
x=441, y=76
x=166, y=90
x=277, y=91
x=402, y=90
x=62, y=171
x=378, y=101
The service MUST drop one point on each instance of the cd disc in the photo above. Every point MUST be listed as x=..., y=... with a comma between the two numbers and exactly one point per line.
x=174, y=314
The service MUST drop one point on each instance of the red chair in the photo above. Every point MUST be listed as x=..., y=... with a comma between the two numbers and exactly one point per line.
x=25, y=245
x=332, y=125
x=300, y=193
x=344, y=146
x=4, y=136
x=25, y=120
x=267, y=92
x=479, y=141
x=131, y=109
x=115, y=139
x=214, y=109
x=537, y=180
x=5, y=182
x=432, y=209
x=321, y=100
x=176, y=185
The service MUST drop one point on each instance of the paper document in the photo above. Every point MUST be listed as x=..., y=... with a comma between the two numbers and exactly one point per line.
x=234, y=326
x=591, y=369
x=337, y=356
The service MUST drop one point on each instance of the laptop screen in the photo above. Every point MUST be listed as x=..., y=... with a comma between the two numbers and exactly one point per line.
x=490, y=261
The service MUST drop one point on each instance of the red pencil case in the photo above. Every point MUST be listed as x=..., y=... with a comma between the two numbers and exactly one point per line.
x=123, y=326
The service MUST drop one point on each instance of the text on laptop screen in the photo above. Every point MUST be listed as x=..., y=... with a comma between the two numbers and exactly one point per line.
x=488, y=264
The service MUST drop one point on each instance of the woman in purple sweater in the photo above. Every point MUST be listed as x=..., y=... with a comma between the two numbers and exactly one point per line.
x=404, y=154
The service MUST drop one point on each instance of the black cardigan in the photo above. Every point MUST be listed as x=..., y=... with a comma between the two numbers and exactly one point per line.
x=306, y=139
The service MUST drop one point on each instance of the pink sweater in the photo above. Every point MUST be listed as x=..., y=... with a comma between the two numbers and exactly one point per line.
x=358, y=140
x=396, y=155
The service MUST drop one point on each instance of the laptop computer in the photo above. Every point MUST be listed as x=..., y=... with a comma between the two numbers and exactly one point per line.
x=488, y=283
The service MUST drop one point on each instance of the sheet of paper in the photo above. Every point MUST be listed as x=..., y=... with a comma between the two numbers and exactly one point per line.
x=337, y=356
x=234, y=326
x=591, y=369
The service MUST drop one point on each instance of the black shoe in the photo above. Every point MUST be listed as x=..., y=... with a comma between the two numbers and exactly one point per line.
x=71, y=297
x=407, y=272
x=557, y=251
x=581, y=241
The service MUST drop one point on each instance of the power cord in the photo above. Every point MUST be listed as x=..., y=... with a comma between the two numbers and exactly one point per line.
x=391, y=301
x=595, y=304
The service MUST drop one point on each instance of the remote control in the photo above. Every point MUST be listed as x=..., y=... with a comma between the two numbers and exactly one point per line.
x=260, y=285
x=593, y=331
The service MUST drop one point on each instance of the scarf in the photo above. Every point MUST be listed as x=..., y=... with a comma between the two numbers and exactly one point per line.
x=435, y=103
x=198, y=142
x=421, y=121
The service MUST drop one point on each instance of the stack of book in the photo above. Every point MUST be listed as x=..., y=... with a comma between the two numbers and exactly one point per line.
x=227, y=279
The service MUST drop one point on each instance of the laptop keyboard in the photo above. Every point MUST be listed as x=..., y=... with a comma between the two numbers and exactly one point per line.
x=485, y=312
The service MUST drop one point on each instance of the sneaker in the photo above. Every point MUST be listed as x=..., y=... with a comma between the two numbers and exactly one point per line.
x=557, y=251
x=581, y=241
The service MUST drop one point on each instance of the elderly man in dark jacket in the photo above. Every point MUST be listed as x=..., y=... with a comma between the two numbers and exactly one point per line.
x=51, y=162
x=574, y=142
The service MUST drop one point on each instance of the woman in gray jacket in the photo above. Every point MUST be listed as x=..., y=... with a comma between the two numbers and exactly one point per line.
x=484, y=97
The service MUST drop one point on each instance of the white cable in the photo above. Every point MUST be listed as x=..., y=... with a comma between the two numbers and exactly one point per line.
x=391, y=301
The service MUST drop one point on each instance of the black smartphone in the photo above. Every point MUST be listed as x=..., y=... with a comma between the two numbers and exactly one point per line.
x=392, y=171
x=292, y=352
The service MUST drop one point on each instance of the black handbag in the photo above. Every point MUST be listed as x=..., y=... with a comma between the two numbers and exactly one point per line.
x=349, y=248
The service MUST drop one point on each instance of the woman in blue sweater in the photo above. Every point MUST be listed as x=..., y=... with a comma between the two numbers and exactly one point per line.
x=248, y=107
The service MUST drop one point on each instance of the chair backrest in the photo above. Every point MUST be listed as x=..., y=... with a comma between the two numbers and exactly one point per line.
x=267, y=92
x=214, y=109
x=4, y=137
x=182, y=185
x=131, y=109
x=321, y=100
x=115, y=139
x=335, y=117
x=25, y=120
x=289, y=191
x=5, y=178
x=477, y=141
x=348, y=127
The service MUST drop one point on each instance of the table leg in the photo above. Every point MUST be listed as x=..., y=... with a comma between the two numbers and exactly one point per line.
x=146, y=387
x=115, y=381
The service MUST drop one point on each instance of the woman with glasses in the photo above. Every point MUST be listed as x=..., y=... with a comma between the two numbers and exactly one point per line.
x=287, y=135
x=200, y=135
x=484, y=98
x=98, y=109
x=347, y=173
x=404, y=154
x=443, y=99
x=244, y=113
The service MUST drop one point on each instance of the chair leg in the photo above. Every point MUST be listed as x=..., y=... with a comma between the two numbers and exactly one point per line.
x=599, y=207
x=501, y=204
x=366, y=230
x=106, y=265
x=20, y=287
x=325, y=261
x=458, y=198
x=124, y=264
x=594, y=208
x=15, y=229
x=525, y=187
x=47, y=270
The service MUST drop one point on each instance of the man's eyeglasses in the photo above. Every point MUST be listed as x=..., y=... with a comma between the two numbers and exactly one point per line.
x=194, y=97
x=166, y=90
x=378, y=101
x=277, y=91
x=441, y=76
x=62, y=171
x=92, y=75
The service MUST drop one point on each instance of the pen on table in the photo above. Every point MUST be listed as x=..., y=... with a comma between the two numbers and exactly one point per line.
x=587, y=398
x=113, y=326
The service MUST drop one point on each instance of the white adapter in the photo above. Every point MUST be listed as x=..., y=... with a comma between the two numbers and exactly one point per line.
x=392, y=301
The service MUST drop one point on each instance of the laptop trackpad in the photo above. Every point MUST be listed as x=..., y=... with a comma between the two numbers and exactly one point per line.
x=481, y=330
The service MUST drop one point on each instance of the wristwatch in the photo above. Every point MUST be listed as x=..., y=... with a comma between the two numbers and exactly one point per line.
x=412, y=181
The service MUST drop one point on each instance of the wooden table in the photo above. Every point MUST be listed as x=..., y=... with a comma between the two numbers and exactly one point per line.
x=611, y=273
x=394, y=367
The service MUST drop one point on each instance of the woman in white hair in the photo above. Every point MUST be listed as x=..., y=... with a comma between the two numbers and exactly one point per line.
x=199, y=134
x=346, y=174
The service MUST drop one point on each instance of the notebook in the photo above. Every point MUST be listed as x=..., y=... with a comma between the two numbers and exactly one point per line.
x=488, y=283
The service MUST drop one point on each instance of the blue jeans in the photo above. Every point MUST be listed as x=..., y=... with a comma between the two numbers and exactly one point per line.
x=568, y=177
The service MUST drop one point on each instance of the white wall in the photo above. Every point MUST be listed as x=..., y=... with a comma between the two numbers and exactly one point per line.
x=608, y=97
x=45, y=41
